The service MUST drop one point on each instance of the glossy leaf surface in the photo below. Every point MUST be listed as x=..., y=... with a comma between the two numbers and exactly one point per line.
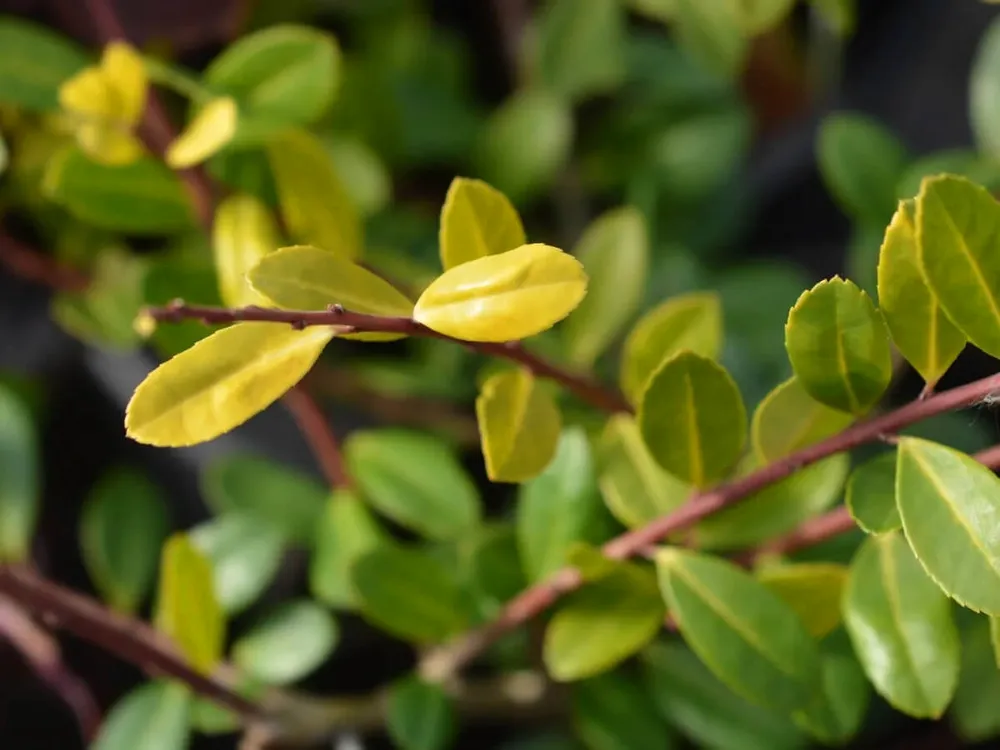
x=477, y=220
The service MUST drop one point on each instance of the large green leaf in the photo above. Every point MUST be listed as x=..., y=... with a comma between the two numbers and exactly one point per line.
x=712, y=32
x=154, y=716
x=142, y=198
x=984, y=102
x=920, y=329
x=414, y=479
x=419, y=716
x=612, y=711
x=901, y=627
x=34, y=62
x=789, y=419
x=957, y=222
x=871, y=494
x=604, y=623
x=288, y=643
x=558, y=507
x=477, y=220
x=123, y=523
x=846, y=694
x=19, y=477
x=839, y=346
x=614, y=251
x=494, y=564
x=581, y=47
x=744, y=633
x=692, y=418
x=950, y=507
x=813, y=590
x=974, y=710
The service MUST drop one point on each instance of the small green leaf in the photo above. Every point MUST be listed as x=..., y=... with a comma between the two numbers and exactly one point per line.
x=711, y=31
x=192, y=279
x=141, y=198
x=244, y=231
x=408, y=593
x=344, y=532
x=477, y=220
x=603, y=624
x=557, y=508
x=19, y=477
x=789, y=419
x=519, y=425
x=861, y=163
x=974, y=709
x=957, y=222
x=34, y=62
x=288, y=643
x=838, y=346
x=187, y=610
x=871, y=494
x=122, y=526
x=419, y=716
x=984, y=105
x=920, y=329
x=846, y=693
x=614, y=251
x=611, y=711
x=692, y=418
x=813, y=590
x=965, y=162
x=363, y=172
x=901, y=627
x=690, y=321
x=286, y=500
x=591, y=562
x=154, y=716
x=495, y=567
x=635, y=488
x=414, y=479
x=245, y=552
x=743, y=632
x=950, y=507
x=581, y=47
x=210, y=718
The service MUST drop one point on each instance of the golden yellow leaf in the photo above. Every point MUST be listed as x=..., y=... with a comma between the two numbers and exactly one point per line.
x=221, y=382
x=504, y=297
x=477, y=220
x=210, y=130
x=244, y=231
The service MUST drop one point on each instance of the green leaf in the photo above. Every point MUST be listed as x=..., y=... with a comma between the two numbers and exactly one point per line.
x=557, y=508
x=861, y=163
x=212, y=719
x=957, y=221
x=414, y=479
x=316, y=206
x=525, y=143
x=364, y=174
x=690, y=321
x=519, y=425
x=495, y=567
x=187, y=609
x=581, y=47
x=154, y=716
x=408, y=593
x=245, y=552
x=789, y=419
x=744, y=633
x=192, y=279
x=477, y=220
x=692, y=418
x=920, y=329
x=419, y=716
x=708, y=712
x=284, y=74
x=611, y=711
x=711, y=32
x=123, y=524
x=603, y=624
x=776, y=509
x=984, y=104
x=995, y=638
x=614, y=251
x=344, y=532
x=286, y=500
x=838, y=346
x=973, y=711
x=289, y=642
x=901, y=627
x=505, y=297
x=950, y=507
x=34, y=62
x=964, y=162
x=141, y=198
x=846, y=694
x=244, y=231
x=813, y=590
x=635, y=488
x=871, y=494
x=19, y=477
x=221, y=382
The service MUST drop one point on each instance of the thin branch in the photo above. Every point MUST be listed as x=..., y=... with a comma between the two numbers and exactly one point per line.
x=582, y=386
x=531, y=602
x=27, y=263
x=314, y=427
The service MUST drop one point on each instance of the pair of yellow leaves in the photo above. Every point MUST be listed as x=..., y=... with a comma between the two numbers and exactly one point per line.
x=235, y=373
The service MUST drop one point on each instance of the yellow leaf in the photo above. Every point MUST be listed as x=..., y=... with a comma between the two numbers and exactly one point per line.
x=210, y=130
x=307, y=278
x=221, y=382
x=316, y=206
x=124, y=70
x=519, y=423
x=243, y=232
x=108, y=145
x=477, y=220
x=504, y=297
x=88, y=93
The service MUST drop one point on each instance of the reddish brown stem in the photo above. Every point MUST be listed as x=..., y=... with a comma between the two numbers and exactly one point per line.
x=29, y=264
x=316, y=430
